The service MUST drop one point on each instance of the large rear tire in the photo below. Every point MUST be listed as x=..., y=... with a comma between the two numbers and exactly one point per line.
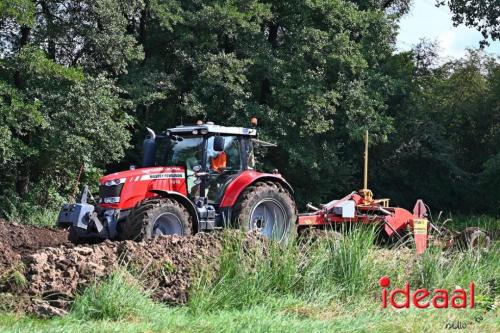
x=155, y=217
x=269, y=208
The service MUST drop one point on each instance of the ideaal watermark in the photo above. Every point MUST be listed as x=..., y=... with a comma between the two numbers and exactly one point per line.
x=422, y=298
x=440, y=298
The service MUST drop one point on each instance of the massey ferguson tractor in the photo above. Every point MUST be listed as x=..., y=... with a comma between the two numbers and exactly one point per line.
x=193, y=178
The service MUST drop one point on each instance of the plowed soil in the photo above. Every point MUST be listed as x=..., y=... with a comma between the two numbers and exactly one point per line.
x=54, y=271
x=17, y=240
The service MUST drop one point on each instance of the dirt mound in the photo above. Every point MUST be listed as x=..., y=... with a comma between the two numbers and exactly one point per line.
x=168, y=264
x=56, y=273
x=8, y=257
x=17, y=240
x=41, y=272
x=165, y=266
x=27, y=238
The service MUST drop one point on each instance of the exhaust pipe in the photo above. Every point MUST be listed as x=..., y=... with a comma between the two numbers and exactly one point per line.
x=149, y=149
x=152, y=134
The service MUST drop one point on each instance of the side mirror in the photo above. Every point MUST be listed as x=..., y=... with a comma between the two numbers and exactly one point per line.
x=219, y=143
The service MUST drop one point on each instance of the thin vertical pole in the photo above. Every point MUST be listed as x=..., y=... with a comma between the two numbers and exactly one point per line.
x=365, y=182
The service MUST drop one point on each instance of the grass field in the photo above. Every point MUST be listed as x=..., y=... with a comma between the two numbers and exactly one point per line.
x=323, y=286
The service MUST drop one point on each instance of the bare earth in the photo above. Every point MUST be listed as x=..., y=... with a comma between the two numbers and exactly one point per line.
x=54, y=270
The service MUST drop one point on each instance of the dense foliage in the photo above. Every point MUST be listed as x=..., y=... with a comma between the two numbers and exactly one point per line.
x=80, y=80
x=481, y=14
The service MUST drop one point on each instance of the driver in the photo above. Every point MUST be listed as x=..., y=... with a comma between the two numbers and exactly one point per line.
x=219, y=163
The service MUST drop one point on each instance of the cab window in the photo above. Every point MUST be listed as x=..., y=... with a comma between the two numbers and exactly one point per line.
x=231, y=150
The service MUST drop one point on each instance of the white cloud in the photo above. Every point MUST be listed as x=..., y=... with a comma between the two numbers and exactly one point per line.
x=446, y=40
x=426, y=21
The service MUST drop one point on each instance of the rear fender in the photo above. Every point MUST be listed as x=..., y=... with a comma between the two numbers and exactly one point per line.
x=245, y=179
x=183, y=200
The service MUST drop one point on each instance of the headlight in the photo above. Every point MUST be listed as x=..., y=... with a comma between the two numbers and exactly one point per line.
x=111, y=200
x=115, y=182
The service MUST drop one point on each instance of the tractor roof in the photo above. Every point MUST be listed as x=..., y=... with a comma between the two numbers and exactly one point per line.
x=212, y=128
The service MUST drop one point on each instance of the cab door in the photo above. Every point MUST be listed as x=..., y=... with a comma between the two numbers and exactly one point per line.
x=221, y=175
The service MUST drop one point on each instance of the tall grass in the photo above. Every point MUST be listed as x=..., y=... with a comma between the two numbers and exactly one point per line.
x=36, y=215
x=27, y=211
x=488, y=223
x=248, y=275
x=308, y=270
x=437, y=269
x=330, y=269
x=341, y=266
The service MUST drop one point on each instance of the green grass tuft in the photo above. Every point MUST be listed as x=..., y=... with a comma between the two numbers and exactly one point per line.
x=118, y=297
x=14, y=277
x=460, y=222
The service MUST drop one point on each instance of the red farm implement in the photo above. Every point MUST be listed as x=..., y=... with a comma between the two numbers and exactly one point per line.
x=361, y=207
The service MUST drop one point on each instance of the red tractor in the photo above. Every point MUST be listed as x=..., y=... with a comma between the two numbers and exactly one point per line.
x=193, y=178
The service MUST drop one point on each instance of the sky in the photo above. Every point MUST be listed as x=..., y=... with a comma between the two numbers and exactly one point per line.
x=425, y=20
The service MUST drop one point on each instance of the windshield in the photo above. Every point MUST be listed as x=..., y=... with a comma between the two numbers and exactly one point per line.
x=184, y=152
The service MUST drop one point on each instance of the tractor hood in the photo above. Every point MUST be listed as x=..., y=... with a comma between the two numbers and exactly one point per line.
x=143, y=174
x=124, y=189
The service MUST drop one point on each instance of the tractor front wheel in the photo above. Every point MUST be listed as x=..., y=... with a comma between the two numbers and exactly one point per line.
x=268, y=208
x=155, y=217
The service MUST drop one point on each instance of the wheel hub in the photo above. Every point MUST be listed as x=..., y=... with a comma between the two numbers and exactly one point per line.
x=167, y=224
x=269, y=217
x=259, y=223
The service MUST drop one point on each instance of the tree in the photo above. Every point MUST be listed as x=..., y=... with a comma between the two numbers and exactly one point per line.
x=480, y=14
x=310, y=71
x=60, y=120
x=80, y=80
x=60, y=109
x=443, y=149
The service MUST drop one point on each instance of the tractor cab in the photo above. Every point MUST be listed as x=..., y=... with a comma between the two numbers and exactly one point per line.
x=212, y=155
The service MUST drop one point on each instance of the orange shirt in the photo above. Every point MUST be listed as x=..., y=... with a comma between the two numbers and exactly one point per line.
x=219, y=162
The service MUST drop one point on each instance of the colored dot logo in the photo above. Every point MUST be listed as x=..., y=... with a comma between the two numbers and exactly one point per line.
x=384, y=281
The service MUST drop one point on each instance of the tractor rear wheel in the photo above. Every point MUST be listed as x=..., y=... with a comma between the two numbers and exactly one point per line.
x=155, y=217
x=269, y=208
